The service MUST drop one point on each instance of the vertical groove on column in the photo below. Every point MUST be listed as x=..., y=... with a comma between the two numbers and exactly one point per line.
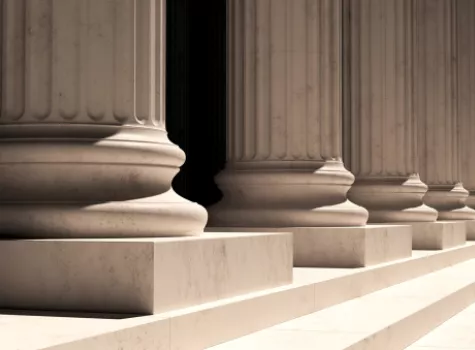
x=84, y=150
x=466, y=93
x=436, y=110
x=84, y=60
x=123, y=65
x=380, y=110
x=284, y=166
x=282, y=54
x=13, y=60
x=38, y=52
x=66, y=75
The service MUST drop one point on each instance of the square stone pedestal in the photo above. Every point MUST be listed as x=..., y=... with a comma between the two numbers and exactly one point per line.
x=470, y=226
x=438, y=235
x=345, y=247
x=140, y=276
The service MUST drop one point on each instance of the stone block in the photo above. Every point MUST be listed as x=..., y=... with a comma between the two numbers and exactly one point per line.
x=140, y=276
x=470, y=226
x=345, y=247
x=438, y=235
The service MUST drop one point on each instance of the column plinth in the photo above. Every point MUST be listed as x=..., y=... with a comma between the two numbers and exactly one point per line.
x=83, y=144
x=382, y=151
x=284, y=147
x=435, y=84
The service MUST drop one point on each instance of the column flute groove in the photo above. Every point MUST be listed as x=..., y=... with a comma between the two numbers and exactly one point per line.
x=381, y=123
x=466, y=93
x=284, y=163
x=435, y=82
x=83, y=145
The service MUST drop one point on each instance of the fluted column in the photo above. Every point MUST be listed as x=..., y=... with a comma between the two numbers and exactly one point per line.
x=466, y=93
x=380, y=121
x=284, y=140
x=435, y=107
x=83, y=145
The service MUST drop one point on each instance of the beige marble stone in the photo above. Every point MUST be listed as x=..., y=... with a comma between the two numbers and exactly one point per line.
x=438, y=235
x=142, y=276
x=210, y=324
x=393, y=318
x=465, y=97
x=345, y=246
x=435, y=85
x=470, y=226
x=84, y=149
x=284, y=166
x=380, y=125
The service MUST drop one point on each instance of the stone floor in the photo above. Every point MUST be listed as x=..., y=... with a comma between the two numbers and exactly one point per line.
x=387, y=306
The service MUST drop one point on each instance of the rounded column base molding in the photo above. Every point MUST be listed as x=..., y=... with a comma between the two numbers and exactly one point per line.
x=164, y=215
x=464, y=213
x=449, y=200
x=446, y=197
x=66, y=180
x=393, y=199
x=291, y=197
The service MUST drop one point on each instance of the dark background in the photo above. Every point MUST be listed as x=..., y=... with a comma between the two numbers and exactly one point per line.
x=196, y=93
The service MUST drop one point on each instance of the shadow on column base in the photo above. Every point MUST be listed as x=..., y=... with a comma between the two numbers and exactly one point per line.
x=393, y=199
x=165, y=215
x=340, y=215
x=286, y=194
x=449, y=200
x=422, y=213
x=464, y=213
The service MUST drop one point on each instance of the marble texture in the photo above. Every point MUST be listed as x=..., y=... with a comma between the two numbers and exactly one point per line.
x=465, y=97
x=381, y=128
x=84, y=150
x=343, y=246
x=210, y=324
x=391, y=319
x=284, y=162
x=456, y=333
x=470, y=225
x=438, y=235
x=435, y=106
x=141, y=276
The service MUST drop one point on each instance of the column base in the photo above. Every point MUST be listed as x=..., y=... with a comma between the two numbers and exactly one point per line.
x=438, y=235
x=286, y=194
x=392, y=199
x=344, y=247
x=140, y=276
x=464, y=213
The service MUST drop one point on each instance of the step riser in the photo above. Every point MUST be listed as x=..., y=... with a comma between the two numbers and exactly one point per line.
x=402, y=334
x=209, y=326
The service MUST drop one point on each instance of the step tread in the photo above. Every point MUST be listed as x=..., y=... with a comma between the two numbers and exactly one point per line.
x=345, y=324
x=456, y=333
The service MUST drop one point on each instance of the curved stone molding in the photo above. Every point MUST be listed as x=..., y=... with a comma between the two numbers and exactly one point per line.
x=83, y=145
x=466, y=93
x=284, y=148
x=381, y=123
x=435, y=107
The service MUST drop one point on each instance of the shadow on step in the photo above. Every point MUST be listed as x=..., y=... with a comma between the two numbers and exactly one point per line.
x=66, y=314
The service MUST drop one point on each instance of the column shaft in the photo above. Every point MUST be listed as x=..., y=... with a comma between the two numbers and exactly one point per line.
x=380, y=121
x=435, y=107
x=83, y=145
x=284, y=149
x=466, y=93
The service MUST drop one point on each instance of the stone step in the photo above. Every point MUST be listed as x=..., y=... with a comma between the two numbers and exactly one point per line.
x=389, y=319
x=456, y=333
x=214, y=323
